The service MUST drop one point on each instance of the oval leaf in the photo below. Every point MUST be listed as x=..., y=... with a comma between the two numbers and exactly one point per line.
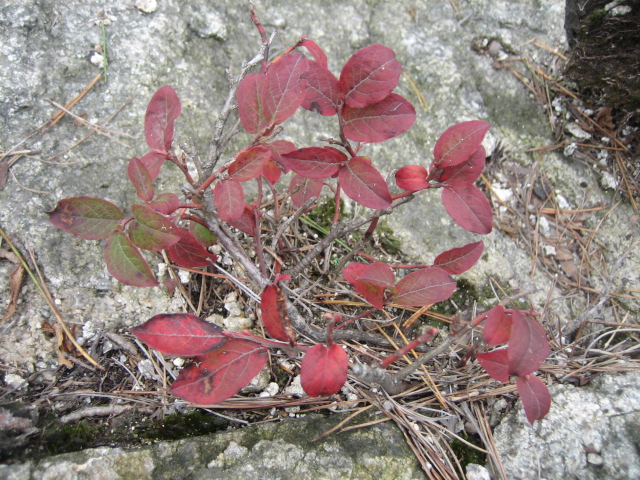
x=468, y=207
x=222, y=373
x=283, y=92
x=228, y=196
x=86, y=217
x=126, y=263
x=152, y=230
x=180, y=334
x=528, y=345
x=378, y=273
x=188, y=252
x=304, y=189
x=140, y=179
x=323, y=93
x=247, y=221
x=323, y=370
x=162, y=112
x=316, y=51
x=362, y=183
x=467, y=171
x=250, y=104
x=535, y=396
x=369, y=75
x=352, y=271
x=459, y=142
x=153, y=161
x=165, y=203
x=495, y=363
x=202, y=234
x=497, y=329
x=312, y=162
x=271, y=314
x=379, y=122
x=412, y=178
x=424, y=287
x=249, y=164
x=459, y=260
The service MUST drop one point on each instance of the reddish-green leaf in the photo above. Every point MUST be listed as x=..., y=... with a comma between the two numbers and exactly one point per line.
x=162, y=112
x=284, y=92
x=86, y=217
x=459, y=260
x=246, y=223
x=528, y=345
x=126, y=263
x=228, y=196
x=165, y=203
x=467, y=171
x=374, y=294
x=459, y=142
x=323, y=370
x=535, y=396
x=152, y=230
x=468, y=207
x=153, y=161
x=140, y=179
x=497, y=328
x=249, y=164
x=424, y=287
x=379, y=122
x=188, y=252
x=323, y=93
x=369, y=75
x=273, y=168
x=495, y=363
x=352, y=271
x=222, y=373
x=202, y=234
x=180, y=334
x=362, y=183
x=412, y=178
x=313, y=162
x=316, y=51
x=304, y=189
x=250, y=103
x=271, y=314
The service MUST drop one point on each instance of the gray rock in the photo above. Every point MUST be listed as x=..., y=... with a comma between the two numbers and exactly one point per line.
x=590, y=433
x=277, y=451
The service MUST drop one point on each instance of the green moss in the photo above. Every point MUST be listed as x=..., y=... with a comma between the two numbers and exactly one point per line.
x=467, y=454
x=70, y=438
x=463, y=298
x=177, y=426
x=324, y=212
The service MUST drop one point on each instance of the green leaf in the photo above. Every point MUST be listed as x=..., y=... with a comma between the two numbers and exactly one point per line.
x=86, y=217
x=152, y=230
x=203, y=235
x=126, y=263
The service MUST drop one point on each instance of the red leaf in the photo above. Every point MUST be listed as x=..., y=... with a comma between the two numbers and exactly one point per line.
x=283, y=92
x=126, y=263
x=250, y=104
x=249, y=164
x=378, y=273
x=495, y=363
x=459, y=260
x=497, y=329
x=228, y=196
x=323, y=370
x=467, y=171
x=202, y=234
x=369, y=75
x=165, y=203
x=246, y=223
x=153, y=161
x=379, y=122
x=273, y=168
x=535, y=396
x=468, y=207
x=528, y=345
x=152, y=230
x=304, y=188
x=271, y=315
x=373, y=294
x=323, y=93
x=459, y=142
x=412, y=178
x=316, y=51
x=162, y=112
x=86, y=217
x=352, y=271
x=187, y=252
x=140, y=179
x=222, y=373
x=313, y=162
x=424, y=287
x=362, y=183
x=180, y=334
